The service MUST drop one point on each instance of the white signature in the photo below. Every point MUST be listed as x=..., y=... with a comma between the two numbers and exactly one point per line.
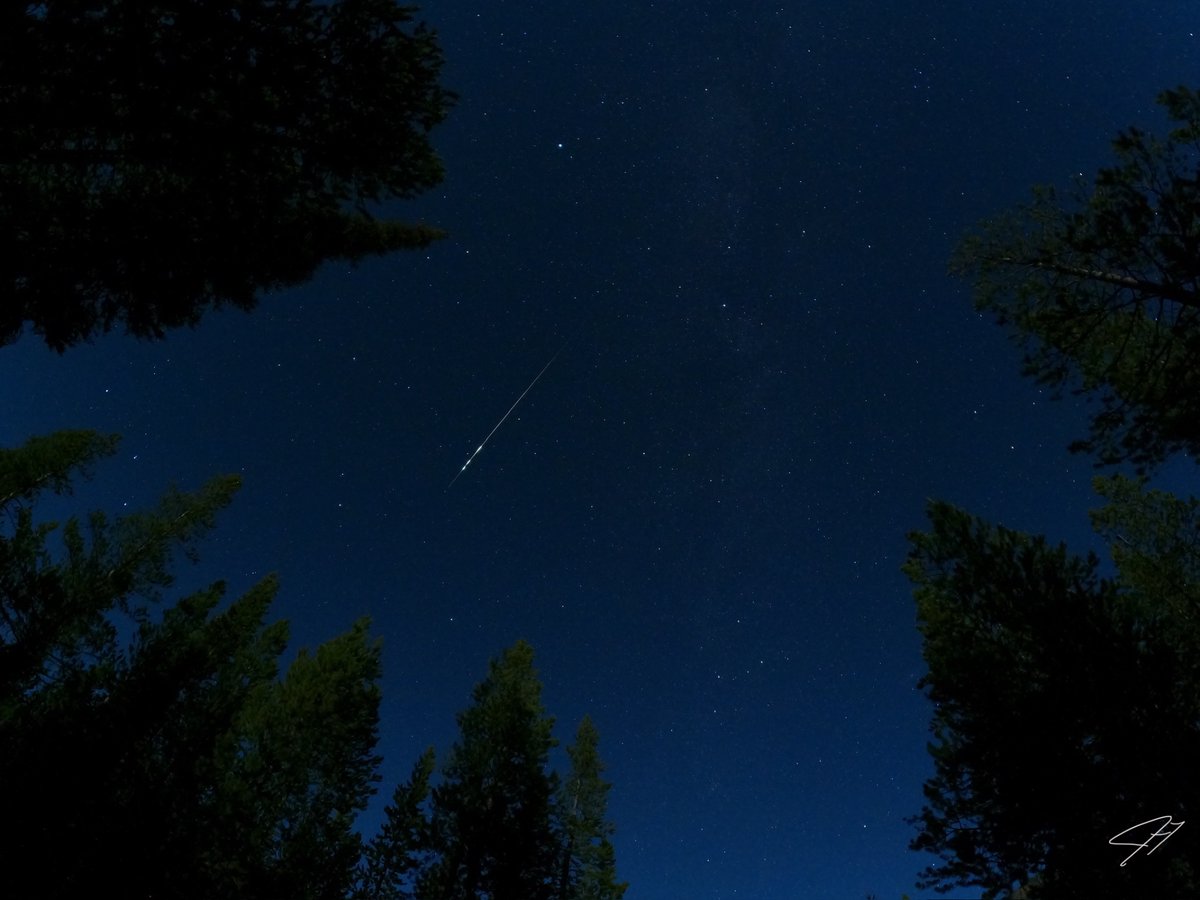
x=1164, y=827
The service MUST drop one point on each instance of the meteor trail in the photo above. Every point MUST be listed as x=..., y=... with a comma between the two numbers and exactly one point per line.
x=506, y=415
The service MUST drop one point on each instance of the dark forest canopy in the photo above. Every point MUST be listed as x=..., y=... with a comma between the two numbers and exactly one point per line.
x=500, y=824
x=1066, y=703
x=1102, y=290
x=161, y=159
x=164, y=747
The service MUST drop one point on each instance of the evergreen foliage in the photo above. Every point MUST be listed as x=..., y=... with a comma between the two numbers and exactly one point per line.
x=1067, y=704
x=160, y=746
x=588, y=867
x=398, y=857
x=1101, y=290
x=492, y=812
x=160, y=159
x=158, y=749
x=500, y=824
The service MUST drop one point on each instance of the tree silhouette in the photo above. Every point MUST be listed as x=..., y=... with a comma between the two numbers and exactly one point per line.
x=159, y=749
x=1067, y=704
x=1102, y=291
x=399, y=858
x=492, y=811
x=500, y=824
x=161, y=159
x=588, y=866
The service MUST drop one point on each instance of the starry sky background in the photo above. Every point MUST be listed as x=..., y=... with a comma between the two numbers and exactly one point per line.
x=734, y=220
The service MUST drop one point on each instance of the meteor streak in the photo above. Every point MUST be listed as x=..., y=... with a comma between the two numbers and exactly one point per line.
x=506, y=415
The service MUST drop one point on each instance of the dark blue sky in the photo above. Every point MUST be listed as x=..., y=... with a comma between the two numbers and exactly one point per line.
x=737, y=221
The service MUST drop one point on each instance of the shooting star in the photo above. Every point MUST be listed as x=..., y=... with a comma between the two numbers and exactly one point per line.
x=471, y=458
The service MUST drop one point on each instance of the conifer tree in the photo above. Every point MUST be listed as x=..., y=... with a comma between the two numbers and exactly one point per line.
x=156, y=748
x=588, y=866
x=1060, y=697
x=491, y=818
x=161, y=159
x=1101, y=289
x=499, y=826
x=399, y=857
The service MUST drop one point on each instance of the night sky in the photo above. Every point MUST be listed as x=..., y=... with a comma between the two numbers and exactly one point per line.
x=733, y=220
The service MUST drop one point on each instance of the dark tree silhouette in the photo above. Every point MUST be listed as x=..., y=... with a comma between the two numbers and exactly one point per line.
x=1067, y=705
x=397, y=860
x=1102, y=291
x=159, y=749
x=499, y=825
x=160, y=159
x=588, y=866
x=491, y=818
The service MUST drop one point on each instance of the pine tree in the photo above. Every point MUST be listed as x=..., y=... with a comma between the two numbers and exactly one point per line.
x=155, y=747
x=161, y=159
x=399, y=857
x=499, y=825
x=491, y=815
x=588, y=865
x=1060, y=697
x=1101, y=289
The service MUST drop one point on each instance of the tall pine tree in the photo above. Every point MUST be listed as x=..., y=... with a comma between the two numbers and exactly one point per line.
x=588, y=864
x=1065, y=703
x=1101, y=289
x=161, y=159
x=492, y=814
x=399, y=857
x=157, y=748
